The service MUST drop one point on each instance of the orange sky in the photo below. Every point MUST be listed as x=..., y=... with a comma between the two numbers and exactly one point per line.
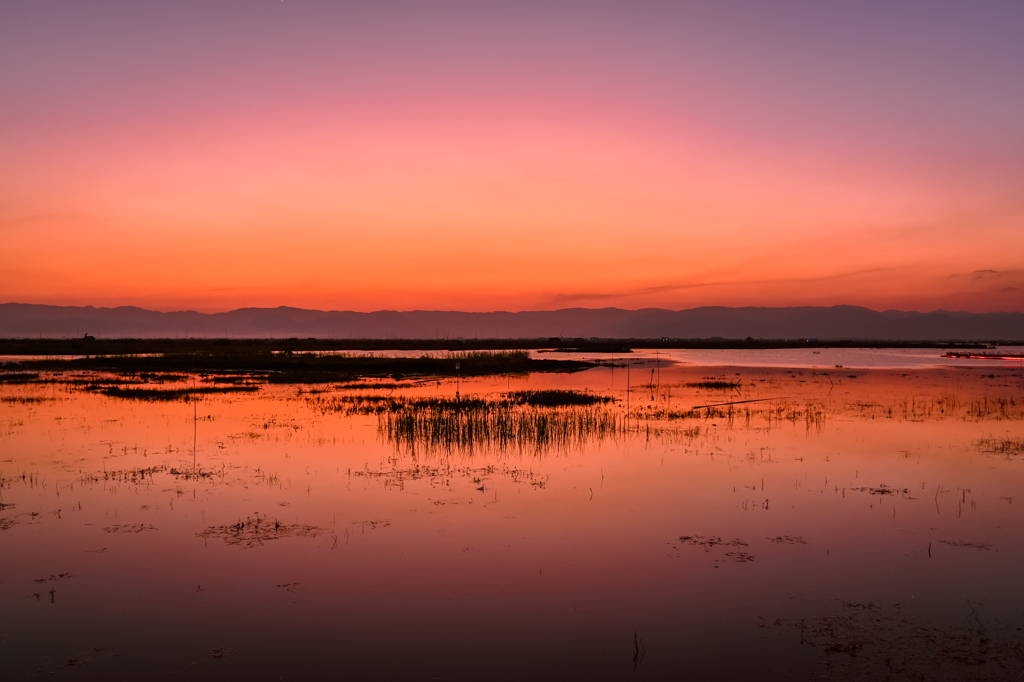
x=480, y=160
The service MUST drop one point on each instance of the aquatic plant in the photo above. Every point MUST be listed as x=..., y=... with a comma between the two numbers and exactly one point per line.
x=714, y=384
x=447, y=425
x=168, y=394
x=1001, y=446
x=272, y=366
x=555, y=398
x=19, y=377
x=254, y=532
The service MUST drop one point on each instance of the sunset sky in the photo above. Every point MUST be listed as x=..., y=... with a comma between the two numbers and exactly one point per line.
x=512, y=156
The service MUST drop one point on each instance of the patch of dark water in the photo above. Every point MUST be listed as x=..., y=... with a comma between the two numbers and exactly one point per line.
x=866, y=641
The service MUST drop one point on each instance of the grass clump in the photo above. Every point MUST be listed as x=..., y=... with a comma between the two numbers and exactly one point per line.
x=517, y=421
x=443, y=427
x=1002, y=446
x=167, y=394
x=19, y=377
x=255, y=532
x=714, y=384
x=555, y=398
x=288, y=367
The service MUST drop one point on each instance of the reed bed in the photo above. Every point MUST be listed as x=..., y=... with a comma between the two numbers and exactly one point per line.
x=714, y=384
x=172, y=394
x=1010, y=447
x=380, y=404
x=951, y=406
x=18, y=377
x=517, y=421
x=497, y=426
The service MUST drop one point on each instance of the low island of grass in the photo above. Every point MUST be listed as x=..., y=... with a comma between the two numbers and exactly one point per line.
x=276, y=366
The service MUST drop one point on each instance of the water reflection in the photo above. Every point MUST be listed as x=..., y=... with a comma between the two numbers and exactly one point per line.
x=783, y=524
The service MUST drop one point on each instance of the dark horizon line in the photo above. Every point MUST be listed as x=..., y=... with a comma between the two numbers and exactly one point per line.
x=515, y=312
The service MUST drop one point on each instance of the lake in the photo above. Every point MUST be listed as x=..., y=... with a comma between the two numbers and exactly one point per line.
x=787, y=521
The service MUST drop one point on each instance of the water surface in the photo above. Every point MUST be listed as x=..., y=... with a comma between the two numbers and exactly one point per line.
x=840, y=523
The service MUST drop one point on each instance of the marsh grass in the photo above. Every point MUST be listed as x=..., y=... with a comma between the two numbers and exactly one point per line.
x=166, y=394
x=812, y=415
x=1010, y=447
x=286, y=367
x=19, y=377
x=137, y=475
x=443, y=473
x=379, y=404
x=555, y=398
x=714, y=384
x=501, y=426
x=518, y=421
x=255, y=532
x=951, y=406
x=233, y=379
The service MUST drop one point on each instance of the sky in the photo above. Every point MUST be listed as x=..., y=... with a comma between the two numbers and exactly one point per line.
x=512, y=156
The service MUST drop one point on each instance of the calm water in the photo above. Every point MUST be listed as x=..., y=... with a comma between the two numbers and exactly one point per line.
x=810, y=358
x=852, y=524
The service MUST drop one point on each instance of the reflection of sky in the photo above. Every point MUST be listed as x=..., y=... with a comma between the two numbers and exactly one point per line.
x=554, y=577
x=515, y=155
x=823, y=358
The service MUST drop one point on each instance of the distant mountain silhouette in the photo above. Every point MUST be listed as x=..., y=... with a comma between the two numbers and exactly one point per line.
x=19, y=320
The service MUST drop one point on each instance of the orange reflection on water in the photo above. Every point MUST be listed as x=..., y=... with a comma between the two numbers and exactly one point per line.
x=259, y=535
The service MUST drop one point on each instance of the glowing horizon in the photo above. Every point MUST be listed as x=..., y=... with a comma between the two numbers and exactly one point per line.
x=529, y=158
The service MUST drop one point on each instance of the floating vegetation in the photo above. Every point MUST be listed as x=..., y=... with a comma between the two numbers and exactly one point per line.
x=442, y=475
x=706, y=542
x=881, y=490
x=19, y=377
x=52, y=578
x=168, y=394
x=787, y=540
x=168, y=377
x=870, y=642
x=710, y=542
x=125, y=475
x=254, y=532
x=286, y=367
x=1002, y=446
x=190, y=474
x=555, y=398
x=372, y=525
x=369, y=385
x=740, y=557
x=243, y=379
x=130, y=528
x=962, y=543
x=715, y=384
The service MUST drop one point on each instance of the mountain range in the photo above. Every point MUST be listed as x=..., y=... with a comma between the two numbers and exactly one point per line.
x=19, y=320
